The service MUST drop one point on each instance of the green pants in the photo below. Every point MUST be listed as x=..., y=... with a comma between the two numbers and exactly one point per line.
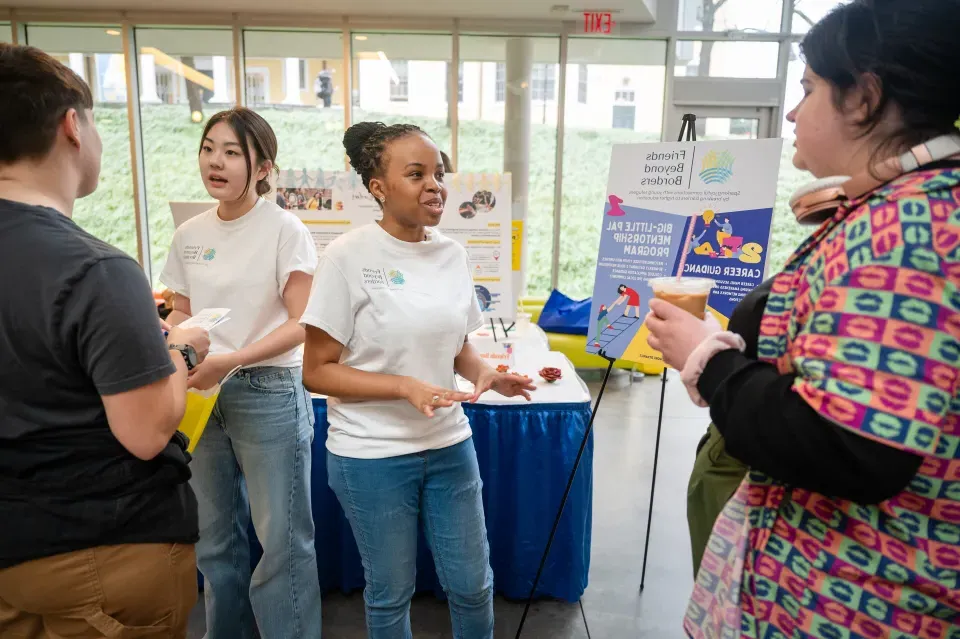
x=715, y=478
x=601, y=326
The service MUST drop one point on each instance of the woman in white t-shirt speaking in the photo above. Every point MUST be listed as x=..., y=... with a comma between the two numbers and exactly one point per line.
x=249, y=255
x=387, y=324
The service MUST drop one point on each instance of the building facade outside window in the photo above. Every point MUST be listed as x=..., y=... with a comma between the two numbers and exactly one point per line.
x=403, y=77
x=496, y=68
x=501, y=83
x=400, y=81
x=582, y=84
x=616, y=71
x=544, y=82
x=186, y=75
x=276, y=61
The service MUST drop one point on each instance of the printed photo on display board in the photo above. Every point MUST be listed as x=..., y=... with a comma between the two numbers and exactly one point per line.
x=725, y=190
x=478, y=215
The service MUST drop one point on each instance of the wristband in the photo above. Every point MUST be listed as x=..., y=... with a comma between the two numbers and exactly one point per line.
x=702, y=354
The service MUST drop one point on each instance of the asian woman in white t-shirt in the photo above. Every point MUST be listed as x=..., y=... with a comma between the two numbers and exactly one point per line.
x=249, y=255
x=387, y=324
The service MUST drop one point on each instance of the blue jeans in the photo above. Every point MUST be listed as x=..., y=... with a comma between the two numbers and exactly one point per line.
x=254, y=459
x=384, y=500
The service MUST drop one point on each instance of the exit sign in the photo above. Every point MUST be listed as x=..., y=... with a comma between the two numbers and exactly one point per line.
x=598, y=22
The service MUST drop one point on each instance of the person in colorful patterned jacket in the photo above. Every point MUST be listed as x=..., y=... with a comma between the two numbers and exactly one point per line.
x=848, y=524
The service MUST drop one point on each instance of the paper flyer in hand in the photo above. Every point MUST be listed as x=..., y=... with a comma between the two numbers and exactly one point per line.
x=207, y=319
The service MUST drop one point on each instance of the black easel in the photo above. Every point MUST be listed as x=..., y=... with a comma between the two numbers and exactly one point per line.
x=688, y=128
x=566, y=494
x=506, y=329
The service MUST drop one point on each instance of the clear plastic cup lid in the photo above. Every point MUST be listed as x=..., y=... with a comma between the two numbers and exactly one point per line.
x=689, y=285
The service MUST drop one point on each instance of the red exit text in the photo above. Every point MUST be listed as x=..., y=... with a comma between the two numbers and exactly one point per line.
x=598, y=22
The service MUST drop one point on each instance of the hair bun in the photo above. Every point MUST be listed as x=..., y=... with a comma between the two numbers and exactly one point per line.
x=356, y=137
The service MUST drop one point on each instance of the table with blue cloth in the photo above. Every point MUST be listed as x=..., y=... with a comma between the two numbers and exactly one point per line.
x=525, y=455
x=526, y=452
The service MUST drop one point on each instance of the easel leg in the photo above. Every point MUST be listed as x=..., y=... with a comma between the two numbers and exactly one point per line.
x=566, y=494
x=653, y=485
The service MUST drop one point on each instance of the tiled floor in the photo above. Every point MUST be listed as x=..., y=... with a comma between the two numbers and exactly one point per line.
x=625, y=433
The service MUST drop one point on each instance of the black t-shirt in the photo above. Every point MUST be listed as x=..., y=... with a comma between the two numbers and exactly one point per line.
x=77, y=321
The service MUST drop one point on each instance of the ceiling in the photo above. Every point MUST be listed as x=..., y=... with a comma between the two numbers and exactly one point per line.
x=638, y=11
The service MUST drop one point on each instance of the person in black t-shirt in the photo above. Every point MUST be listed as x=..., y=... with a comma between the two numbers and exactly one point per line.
x=98, y=519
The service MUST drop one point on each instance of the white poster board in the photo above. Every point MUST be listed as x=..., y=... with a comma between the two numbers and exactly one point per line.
x=725, y=190
x=477, y=215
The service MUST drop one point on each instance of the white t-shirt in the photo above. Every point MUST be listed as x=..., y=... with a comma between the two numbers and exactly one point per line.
x=399, y=308
x=242, y=265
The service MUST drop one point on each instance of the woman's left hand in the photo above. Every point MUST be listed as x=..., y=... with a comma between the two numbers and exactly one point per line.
x=507, y=384
x=209, y=372
x=676, y=333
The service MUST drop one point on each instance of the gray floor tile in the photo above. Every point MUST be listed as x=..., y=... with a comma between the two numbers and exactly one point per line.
x=623, y=462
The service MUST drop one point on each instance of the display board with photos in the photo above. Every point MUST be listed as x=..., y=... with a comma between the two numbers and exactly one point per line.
x=477, y=214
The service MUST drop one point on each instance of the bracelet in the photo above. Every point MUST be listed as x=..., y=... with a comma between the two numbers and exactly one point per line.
x=702, y=354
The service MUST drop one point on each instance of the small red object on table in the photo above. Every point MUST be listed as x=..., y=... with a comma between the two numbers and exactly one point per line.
x=550, y=374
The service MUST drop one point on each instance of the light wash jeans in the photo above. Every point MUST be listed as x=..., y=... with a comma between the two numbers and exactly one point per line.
x=257, y=444
x=384, y=500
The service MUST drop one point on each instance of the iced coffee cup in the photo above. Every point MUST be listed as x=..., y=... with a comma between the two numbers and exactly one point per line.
x=688, y=293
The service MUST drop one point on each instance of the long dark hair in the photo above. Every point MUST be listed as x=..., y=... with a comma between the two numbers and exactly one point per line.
x=910, y=47
x=249, y=127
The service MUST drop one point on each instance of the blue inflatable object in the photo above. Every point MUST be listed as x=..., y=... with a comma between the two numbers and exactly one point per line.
x=563, y=315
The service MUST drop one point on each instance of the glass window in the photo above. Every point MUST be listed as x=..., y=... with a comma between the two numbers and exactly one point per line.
x=544, y=81
x=617, y=71
x=501, y=85
x=787, y=234
x=730, y=15
x=6, y=35
x=459, y=82
x=727, y=59
x=273, y=61
x=96, y=55
x=402, y=77
x=493, y=68
x=807, y=13
x=399, y=80
x=186, y=75
x=582, y=84
x=724, y=128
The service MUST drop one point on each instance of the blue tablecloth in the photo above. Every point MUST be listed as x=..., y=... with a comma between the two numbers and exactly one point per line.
x=525, y=455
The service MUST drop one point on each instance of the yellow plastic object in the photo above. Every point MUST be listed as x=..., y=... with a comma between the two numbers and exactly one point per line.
x=199, y=407
x=575, y=346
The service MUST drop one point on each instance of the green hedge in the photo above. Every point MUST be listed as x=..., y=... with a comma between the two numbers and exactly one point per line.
x=311, y=138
